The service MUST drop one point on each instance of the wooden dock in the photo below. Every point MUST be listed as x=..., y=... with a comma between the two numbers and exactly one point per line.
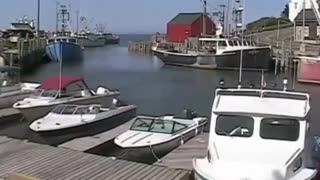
x=88, y=143
x=9, y=114
x=181, y=158
x=46, y=162
x=144, y=47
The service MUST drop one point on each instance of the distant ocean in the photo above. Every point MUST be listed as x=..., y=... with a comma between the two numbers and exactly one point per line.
x=125, y=38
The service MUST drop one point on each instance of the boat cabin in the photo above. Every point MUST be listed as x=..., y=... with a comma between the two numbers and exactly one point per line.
x=159, y=125
x=77, y=109
x=66, y=86
x=214, y=45
x=262, y=133
x=62, y=39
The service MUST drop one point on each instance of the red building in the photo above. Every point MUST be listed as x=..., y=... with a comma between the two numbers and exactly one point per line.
x=186, y=25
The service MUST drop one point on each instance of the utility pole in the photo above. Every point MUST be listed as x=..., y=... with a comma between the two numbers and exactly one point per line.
x=57, y=16
x=204, y=18
x=77, y=15
x=227, y=18
x=38, y=19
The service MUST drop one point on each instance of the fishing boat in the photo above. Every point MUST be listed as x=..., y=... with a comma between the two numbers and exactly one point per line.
x=65, y=89
x=154, y=136
x=217, y=53
x=90, y=40
x=262, y=136
x=111, y=38
x=64, y=48
x=67, y=121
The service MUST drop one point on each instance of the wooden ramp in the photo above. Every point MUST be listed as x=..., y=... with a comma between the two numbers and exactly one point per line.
x=182, y=157
x=90, y=142
x=34, y=161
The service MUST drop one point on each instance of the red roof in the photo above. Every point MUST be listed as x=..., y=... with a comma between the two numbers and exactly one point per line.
x=53, y=83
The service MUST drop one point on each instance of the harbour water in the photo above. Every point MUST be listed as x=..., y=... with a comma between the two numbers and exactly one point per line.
x=156, y=89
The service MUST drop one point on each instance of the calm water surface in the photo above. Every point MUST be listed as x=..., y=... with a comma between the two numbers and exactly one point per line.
x=156, y=89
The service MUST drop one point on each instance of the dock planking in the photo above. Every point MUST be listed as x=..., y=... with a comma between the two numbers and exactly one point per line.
x=9, y=114
x=87, y=143
x=46, y=162
x=182, y=157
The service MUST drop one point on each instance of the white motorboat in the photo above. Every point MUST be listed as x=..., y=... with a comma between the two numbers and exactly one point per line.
x=257, y=134
x=11, y=93
x=156, y=136
x=62, y=90
x=68, y=121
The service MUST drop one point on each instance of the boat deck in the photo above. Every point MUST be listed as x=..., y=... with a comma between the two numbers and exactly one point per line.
x=182, y=157
x=87, y=143
x=46, y=162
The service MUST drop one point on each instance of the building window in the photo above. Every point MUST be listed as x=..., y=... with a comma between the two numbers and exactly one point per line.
x=295, y=5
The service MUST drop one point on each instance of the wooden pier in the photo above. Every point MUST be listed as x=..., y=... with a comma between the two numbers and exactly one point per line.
x=34, y=161
x=181, y=158
x=144, y=47
x=89, y=143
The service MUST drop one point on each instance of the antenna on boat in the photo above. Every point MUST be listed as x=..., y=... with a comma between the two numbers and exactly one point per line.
x=60, y=70
x=263, y=82
x=241, y=51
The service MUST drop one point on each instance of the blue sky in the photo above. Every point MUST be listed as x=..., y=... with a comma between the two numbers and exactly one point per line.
x=128, y=16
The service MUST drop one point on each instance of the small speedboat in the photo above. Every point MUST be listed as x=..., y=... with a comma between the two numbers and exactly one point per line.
x=11, y=93
x=257, y=134
x=68, y=121
x=62, y=90
x=156, y=136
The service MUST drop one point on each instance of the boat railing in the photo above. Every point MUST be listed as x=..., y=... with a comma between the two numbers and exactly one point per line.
x=265, y=93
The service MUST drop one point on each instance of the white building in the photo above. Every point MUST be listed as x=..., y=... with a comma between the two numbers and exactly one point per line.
x=295, y=6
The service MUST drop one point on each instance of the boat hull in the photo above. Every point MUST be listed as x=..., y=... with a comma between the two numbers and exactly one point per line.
x=309, y=70
x=146, y=155
x=253, y=59
x=67, y=52
x=7, y=101
x=91, y=43
x=33, y=113
x=57, y=137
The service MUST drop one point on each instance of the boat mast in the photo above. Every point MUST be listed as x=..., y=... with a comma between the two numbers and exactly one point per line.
x=65, y=16
x=38, y=19
x=77, y=16
x=241, y=52
x=57, y=16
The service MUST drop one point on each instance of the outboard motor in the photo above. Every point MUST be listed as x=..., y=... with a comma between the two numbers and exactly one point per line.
x=189, y=114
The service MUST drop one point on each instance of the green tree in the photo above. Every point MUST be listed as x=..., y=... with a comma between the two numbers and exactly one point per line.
x=285, y=12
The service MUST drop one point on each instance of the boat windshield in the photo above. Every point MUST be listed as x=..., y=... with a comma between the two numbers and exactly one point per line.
x=78, y=110
x=157, y=126
x=279, y=129
x=233, y=125
x=45, y=93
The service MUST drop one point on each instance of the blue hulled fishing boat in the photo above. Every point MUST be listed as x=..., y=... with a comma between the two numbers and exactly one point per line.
x=63, y=47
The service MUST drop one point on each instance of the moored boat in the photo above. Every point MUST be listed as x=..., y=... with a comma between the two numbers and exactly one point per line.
x=152, y=137
x=64, y=48
x=11, y=93
x=90, y=40
x=68, y=121
x=309, y=69
x=218, y=53
x=60, y=90
x=262, y=136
